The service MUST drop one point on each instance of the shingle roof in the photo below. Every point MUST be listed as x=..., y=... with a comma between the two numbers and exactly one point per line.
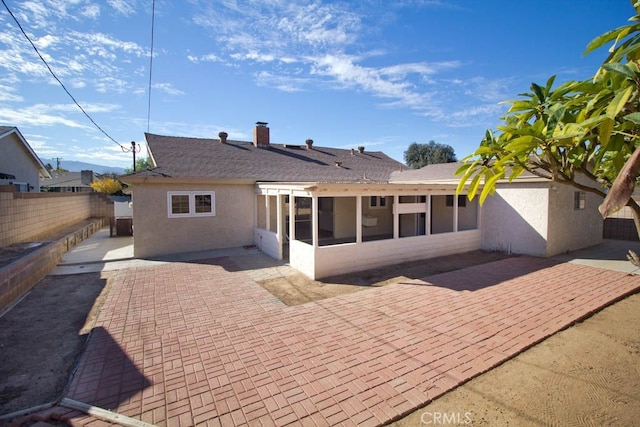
x=440, y=172
x=435, y=172
x=181, y=157
x=4, y=129
x=66, y=179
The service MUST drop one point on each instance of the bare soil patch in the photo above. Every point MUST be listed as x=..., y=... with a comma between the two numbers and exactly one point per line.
x=42, y=337
x=587, y=375
x=298, y=289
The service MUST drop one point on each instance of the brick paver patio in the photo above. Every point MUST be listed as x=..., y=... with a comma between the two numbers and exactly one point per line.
x=202, y=344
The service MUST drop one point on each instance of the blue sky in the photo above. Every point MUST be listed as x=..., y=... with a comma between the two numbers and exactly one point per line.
x=382, y=74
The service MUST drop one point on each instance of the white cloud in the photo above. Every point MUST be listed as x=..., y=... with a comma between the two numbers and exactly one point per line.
x=37, y=115
x=91, y=11
x=122, y=6
x=317, y=38
x=348, y=74
x=167, y=88
x=106, y=42
x=112, y=84
x=210, y=57
x=279, y=29
x=6, y=94
x=487, y=90
x=283, y=83
x=46, y=41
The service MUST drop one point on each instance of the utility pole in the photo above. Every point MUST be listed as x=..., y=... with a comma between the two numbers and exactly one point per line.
x=134, y=150
x=58, y=160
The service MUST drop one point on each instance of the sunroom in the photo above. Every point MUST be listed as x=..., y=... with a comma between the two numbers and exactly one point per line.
x=326, y=229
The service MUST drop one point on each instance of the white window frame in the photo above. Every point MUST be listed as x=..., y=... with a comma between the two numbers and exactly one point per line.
x=192, y=203
x=20, y=187
x=378, y=200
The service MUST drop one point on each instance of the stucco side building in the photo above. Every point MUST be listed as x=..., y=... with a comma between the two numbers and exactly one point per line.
x=19, y=164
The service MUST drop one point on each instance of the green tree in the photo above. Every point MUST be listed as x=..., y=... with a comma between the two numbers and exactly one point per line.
x=585, y=134
x=141, y=164
x=419, y=155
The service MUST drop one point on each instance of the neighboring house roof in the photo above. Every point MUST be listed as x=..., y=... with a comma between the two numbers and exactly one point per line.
x=441, y=173
x=69, y=179
x=5, y=131
x=181, y=157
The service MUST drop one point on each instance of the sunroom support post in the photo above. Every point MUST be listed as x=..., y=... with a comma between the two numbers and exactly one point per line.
x=314, y=221
x=292, y=217
x=455, y=213
x=427, y=226
x=359, y=219
x=280, y=223
x=396, y=216
x=267, y=207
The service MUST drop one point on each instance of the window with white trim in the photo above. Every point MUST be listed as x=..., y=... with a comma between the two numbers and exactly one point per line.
x=377, y=202
x=191, y=203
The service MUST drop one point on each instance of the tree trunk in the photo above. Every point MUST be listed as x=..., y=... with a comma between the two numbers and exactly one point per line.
x=635, y=212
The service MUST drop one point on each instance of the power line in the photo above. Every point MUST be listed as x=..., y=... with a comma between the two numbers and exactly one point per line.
x=56, y=77
x=153, y=21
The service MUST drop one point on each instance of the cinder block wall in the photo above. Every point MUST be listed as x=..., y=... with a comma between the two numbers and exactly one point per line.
x=27, y=217
x=17, y=278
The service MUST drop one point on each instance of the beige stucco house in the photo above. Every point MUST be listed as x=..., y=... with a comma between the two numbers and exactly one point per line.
x=19, y=164
x=327, y=210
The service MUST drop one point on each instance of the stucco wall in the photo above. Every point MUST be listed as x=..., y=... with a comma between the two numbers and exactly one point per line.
x=339, y=259
x=344, y=218
x=384, y=217
x=515, y=219
x=539, y=219
x=468, y=214
x=15, y=160
x=156, y=234
x=441, y=215
x=267, y=242
x=569, y=228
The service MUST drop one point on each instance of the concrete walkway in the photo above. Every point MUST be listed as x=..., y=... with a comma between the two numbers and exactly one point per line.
x=200, y=343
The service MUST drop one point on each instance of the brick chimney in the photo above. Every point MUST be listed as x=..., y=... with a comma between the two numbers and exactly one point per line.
x=86, y=177
x=309, y=143
x=261, y=135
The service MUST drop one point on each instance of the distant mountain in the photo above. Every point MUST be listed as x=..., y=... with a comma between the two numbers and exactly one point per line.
x=75, y=166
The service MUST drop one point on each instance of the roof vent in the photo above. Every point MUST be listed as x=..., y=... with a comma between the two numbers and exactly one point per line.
x=353, y=152
x=339, y=164
x=223, y=137
x=309, y=143
x=361, y=149
x=261, y=135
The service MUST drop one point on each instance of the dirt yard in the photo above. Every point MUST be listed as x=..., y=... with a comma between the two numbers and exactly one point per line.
x=42, y=337
x=299, y=289
x=586, y=375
